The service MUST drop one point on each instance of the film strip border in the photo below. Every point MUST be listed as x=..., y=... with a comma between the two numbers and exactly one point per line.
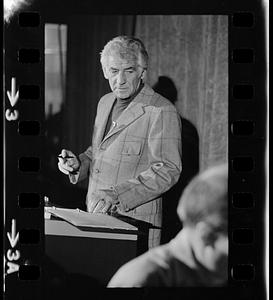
x=23, y=157
x=23, y=151
x=247, y=125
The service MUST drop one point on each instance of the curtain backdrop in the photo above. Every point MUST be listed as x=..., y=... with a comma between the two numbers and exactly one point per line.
x=87, y=34
x=192, y=51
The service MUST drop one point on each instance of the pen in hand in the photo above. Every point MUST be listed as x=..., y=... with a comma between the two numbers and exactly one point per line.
x=68, y=162
x=65, y=157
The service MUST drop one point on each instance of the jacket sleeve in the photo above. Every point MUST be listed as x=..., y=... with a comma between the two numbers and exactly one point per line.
x=85, y=159
x=164, y=167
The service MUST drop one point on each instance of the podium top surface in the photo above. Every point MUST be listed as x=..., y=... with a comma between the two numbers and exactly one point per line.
x=87, y=220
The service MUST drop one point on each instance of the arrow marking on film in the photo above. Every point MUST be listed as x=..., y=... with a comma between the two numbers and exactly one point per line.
x=13, y=237
x=13, y=95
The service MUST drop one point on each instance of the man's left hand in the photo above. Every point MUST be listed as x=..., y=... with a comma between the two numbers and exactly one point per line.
x=101, y=203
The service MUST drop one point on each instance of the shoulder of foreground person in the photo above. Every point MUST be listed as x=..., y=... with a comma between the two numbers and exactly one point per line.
x=143, y=270
x=158, y=267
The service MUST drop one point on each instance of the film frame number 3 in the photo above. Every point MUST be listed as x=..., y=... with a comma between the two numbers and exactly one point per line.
x=13, y=96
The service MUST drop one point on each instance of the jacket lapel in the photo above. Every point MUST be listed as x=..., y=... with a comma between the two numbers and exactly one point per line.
x=134, y=110
x=103, y=117
x=127, y=117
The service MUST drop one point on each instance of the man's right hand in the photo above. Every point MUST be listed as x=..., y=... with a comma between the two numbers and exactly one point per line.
x=68, y=162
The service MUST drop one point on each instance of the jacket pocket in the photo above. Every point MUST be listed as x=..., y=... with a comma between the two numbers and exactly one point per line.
x=131, y=148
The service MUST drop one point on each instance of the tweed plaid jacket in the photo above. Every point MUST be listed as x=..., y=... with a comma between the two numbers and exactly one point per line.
x=138, y=159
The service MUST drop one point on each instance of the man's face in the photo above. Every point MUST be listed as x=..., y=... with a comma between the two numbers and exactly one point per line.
x=123, y=76
x=211, y=245
x=217, y=254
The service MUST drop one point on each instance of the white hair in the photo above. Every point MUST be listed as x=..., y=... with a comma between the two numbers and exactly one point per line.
x=125, y=47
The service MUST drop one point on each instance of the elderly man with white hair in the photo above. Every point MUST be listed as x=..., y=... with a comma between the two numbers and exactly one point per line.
x=135, y=155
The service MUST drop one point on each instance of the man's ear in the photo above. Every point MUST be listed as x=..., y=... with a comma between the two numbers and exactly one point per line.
x=204, y=232
x=143, y=74
x=105, y=73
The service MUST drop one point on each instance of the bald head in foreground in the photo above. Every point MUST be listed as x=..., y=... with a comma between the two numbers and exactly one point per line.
x=197, y=256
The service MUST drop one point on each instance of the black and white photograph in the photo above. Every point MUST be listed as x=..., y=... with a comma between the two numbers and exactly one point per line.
x=127, y=118
x=134, y=111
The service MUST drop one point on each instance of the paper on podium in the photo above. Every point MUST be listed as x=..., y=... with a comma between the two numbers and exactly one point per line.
x=81, y=218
